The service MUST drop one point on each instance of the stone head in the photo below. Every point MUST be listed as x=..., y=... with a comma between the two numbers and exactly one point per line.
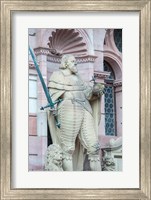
x=69, y=61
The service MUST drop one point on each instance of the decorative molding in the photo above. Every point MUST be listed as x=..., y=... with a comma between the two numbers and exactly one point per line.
x=83, y=59
x=86, y=59
x=53, y=59
x=105, y=75
x=117, y=83
x=101, y=74
x=31, y=65
x=57, y=59
x=42, y=51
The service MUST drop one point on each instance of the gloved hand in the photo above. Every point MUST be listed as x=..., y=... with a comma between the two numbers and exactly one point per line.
x=98, y=89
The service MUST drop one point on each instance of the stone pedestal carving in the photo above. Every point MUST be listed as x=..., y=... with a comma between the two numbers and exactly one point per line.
x=112, y=155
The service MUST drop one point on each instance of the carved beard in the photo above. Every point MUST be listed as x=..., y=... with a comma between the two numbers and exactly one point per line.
x=73, y=69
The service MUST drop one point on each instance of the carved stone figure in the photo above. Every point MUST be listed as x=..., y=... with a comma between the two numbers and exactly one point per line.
x=108, y=163
x=53, y=158
x=75, y=113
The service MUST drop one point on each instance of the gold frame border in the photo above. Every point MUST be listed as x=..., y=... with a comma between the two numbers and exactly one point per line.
x=144, y=9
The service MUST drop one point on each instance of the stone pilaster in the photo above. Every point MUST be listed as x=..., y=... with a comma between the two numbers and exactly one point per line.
x=98, y=35
x=100, y=76
x=42, y=101
x=118, y=96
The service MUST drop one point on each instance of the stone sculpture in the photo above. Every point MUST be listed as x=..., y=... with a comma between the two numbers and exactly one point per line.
x=108, y=163
x=78, y=129
x=53, y=158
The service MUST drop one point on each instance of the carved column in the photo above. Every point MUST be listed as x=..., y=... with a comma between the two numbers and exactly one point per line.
x=118, y=94
x=42, y=101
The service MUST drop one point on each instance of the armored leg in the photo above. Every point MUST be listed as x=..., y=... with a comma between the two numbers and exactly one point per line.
x=90, y=141
x=70, y=116
x=67, y=162
x=95, y=163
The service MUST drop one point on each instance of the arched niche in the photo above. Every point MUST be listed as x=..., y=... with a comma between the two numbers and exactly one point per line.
x=65, y=41
x=111, y=53
x=115, y=64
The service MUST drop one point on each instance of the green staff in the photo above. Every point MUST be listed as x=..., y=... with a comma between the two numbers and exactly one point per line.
x=50, y=104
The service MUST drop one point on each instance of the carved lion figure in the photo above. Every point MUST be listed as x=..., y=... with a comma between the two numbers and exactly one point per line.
x=53, y=158
x=108, y=163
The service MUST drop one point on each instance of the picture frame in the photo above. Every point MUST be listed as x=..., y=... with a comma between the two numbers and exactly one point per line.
x=7, y=8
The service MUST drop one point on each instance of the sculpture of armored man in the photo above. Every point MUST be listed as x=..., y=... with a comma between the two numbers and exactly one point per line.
x=78, y=130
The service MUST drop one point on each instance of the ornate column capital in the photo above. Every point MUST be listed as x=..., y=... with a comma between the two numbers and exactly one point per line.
x=101, y=74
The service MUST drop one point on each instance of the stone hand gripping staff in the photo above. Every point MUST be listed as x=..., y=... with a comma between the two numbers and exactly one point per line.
x=50, y=104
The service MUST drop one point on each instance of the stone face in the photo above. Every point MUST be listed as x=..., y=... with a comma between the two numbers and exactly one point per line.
x=91, y=47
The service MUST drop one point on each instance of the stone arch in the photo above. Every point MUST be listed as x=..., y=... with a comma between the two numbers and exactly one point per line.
x=109, y=42
x=112, y=54
x=115, y=64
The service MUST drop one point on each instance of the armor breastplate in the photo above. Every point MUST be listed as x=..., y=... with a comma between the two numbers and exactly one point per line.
x=78, y=97
x=73, y=88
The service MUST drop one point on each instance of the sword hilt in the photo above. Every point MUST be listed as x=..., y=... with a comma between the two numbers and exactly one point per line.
x=50, y=105
x=43, y=107
x=52, y=109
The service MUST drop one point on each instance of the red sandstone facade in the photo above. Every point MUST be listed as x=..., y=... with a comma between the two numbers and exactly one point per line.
x=92, y=48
